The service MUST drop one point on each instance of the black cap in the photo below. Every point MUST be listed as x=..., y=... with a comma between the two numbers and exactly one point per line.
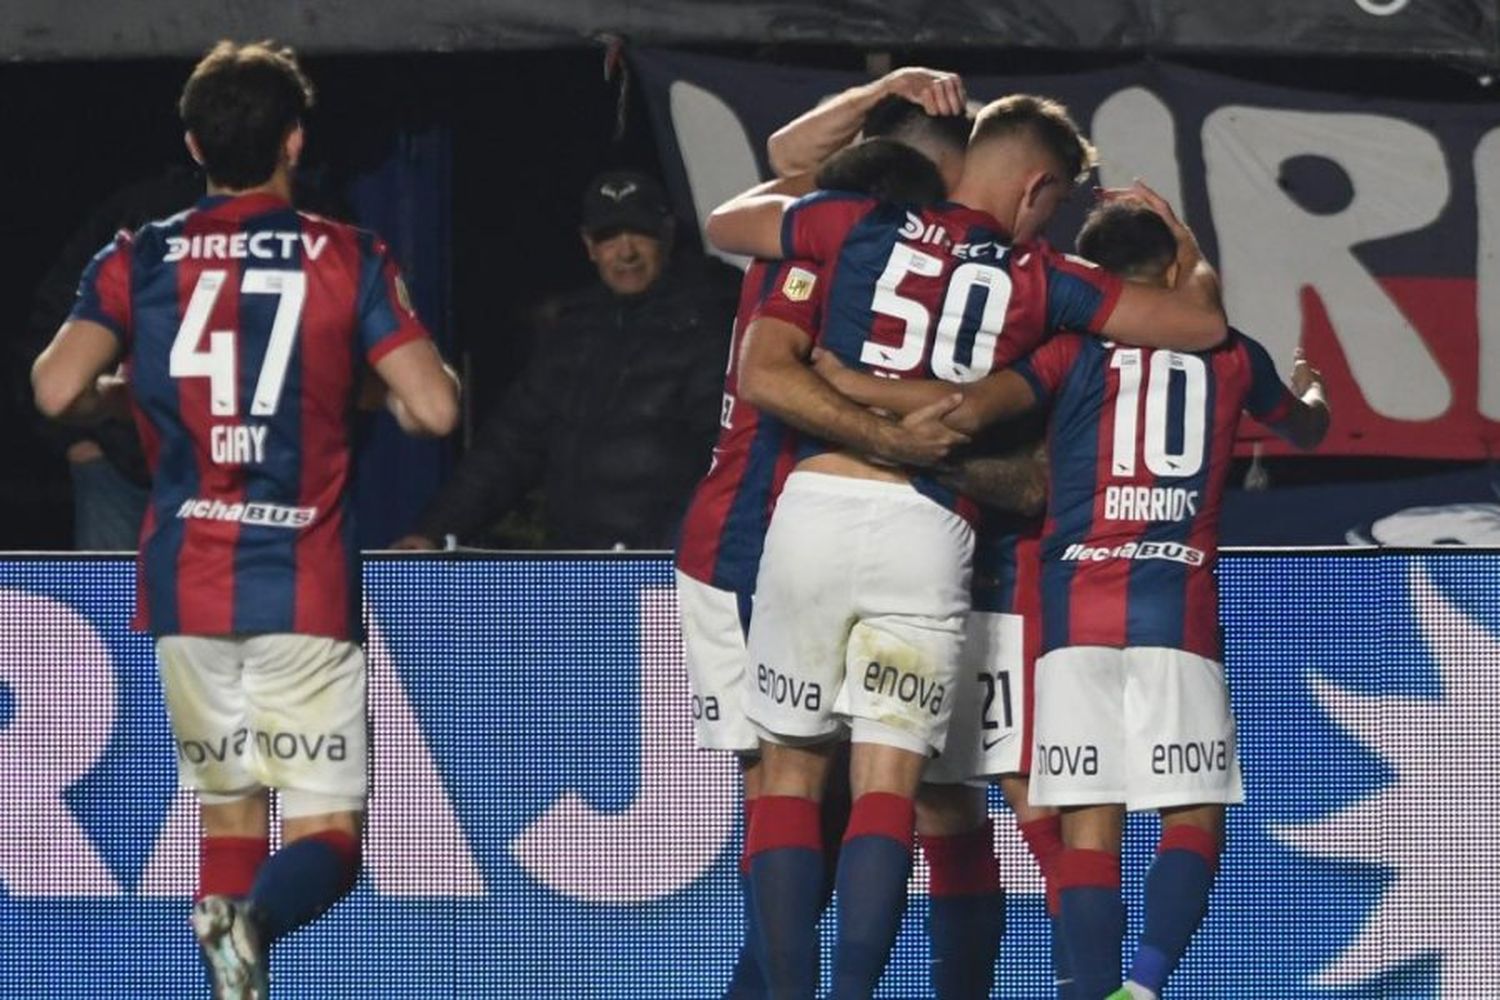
x=626, y=200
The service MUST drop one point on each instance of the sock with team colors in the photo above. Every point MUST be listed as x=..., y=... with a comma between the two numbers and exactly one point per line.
x=749, y=980
x=786, y=889
x=1176, y=899
x=1043, y=839
x=968, y=912
x=874, y=865
x=1092, y=919
x=303, y=879
x=227, y=865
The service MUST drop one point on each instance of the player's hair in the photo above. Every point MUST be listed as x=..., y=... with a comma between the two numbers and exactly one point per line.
x=895, y=117
x=1044, y=121
x=1128, y=239
x=883, y=169
x=240, y=103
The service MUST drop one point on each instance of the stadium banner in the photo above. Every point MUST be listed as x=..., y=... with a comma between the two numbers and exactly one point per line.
x=1462, y=30
x=1366, y=231
x=542, y=827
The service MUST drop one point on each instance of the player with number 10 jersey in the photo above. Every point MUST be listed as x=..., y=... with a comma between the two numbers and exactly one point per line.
x=246, y=325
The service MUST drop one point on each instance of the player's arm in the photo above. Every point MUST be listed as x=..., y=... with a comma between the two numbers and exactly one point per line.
x=68, y=379
x=998, y=396
x=1014, y=481
x=801, y=145
x=1304, y=418
x=422, y=391
x=1187, y=317
x=750, y=222
x=775, y=378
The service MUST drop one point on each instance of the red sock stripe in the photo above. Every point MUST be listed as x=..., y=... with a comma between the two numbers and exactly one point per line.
x=1043, y=839
x=227, y=865
x=1087, y=870
x=745, y=848
x=783, y=821
x=1191, y=838
x=882, y=814
x=963, y=864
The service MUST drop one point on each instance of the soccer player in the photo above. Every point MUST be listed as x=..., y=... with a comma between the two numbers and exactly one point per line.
x=243, y=326
x=1132, y=708
x=862, y=591
x=724, y=529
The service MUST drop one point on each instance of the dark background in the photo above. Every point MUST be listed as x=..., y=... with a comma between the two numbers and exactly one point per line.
x=527, y=130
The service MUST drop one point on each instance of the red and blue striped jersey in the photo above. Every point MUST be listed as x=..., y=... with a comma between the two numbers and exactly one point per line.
x=1140, y=443
x=724, y=529
x=245, y=325
x=937, y=292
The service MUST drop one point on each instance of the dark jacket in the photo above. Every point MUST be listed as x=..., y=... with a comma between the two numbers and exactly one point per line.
x=615, y=417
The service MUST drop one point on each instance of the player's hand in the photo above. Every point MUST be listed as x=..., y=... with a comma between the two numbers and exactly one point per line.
x=923, y=439
x=939, y=92
x=1304, y=376
x=414, y=543
x=1140, y=192
x=114, y=396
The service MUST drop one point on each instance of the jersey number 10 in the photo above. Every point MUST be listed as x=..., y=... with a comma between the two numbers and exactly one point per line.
x=217, y=364
x=1188, y=458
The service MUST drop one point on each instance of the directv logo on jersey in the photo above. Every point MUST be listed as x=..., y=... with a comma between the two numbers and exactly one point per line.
x=1149, y=503
x=239, y=246
x=269, y=515
x=1171, y=551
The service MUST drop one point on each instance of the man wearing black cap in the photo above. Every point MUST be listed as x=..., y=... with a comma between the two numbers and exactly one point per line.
x=619, y=404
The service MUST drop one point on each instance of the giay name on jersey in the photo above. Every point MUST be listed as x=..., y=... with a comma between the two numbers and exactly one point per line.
x=1149, y=503
x=264, y=245
x=1171, y=551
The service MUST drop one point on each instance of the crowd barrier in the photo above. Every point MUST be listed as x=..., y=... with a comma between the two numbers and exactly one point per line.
x=541, y=825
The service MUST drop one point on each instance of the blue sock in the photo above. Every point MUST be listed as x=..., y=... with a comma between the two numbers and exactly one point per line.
x=303, y=879
x=786, y=889
x=1177, y=889
x=968, y=912
x=1062, y=966
x=874, y=866
x=749, y=980
x=1092, y=919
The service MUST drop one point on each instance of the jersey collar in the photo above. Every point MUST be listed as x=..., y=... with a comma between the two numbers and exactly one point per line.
x=243, y=205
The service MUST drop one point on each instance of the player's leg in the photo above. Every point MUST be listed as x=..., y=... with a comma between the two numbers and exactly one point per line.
x=796, y=646
x=714, y=623
x=306, y=711
x=1184, y=761
x=1041, y=831
x=1078, y=765
x=201, y=684
x=967, y=904
x=1176, y=896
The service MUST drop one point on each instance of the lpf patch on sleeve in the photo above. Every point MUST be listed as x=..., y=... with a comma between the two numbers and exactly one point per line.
x=798, y=286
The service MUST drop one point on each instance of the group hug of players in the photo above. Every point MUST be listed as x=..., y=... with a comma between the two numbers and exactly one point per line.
x=970, y=486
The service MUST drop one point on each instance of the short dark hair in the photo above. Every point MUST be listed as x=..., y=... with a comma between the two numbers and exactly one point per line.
x=1128, y=239
x=883, y=169
x=1046, y=122
x=895, y=117
x=240, y=103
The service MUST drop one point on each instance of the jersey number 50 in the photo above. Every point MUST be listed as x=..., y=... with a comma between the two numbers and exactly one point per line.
x=909, y=355
x=217, y=364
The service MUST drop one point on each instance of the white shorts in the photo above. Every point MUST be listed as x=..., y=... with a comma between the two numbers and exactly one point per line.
x=714, y=642
x=266, y=711
x=1147, y=727
x=986, y=734
x=859, y=614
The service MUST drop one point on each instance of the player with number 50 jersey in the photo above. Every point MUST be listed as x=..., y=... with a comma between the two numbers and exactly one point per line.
x=246, y=324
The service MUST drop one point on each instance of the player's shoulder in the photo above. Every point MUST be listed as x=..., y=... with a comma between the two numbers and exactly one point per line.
x=367, y=240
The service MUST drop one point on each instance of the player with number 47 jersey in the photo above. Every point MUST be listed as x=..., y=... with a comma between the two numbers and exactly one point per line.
x=246, y=324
